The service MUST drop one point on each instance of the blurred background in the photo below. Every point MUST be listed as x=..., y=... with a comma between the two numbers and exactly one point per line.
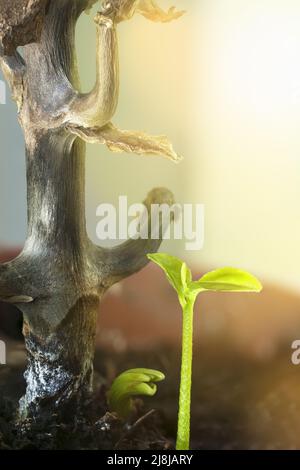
x=223, y=82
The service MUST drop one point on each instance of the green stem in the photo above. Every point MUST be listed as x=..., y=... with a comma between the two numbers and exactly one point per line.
x=183, y=430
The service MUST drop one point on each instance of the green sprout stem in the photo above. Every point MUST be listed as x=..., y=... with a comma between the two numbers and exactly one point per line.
x=183, y=432
x=180, y=277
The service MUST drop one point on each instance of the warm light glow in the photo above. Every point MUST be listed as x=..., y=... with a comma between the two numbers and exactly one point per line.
x=246, y=158
x=260, y=63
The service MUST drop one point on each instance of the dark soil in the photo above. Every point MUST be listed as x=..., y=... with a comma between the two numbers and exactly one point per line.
x=105, y=433
x=237, y=404
x=95, y=429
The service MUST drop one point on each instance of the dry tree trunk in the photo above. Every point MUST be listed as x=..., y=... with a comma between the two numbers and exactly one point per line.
x=60, y=276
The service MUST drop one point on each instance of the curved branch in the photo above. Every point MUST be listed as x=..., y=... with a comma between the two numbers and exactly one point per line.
x=130, y=257
x=96, y=108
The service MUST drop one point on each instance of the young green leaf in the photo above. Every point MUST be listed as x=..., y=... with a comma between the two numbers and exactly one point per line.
x=186, y=275
x=177, y=272
x=226, y=280
x=129, y=384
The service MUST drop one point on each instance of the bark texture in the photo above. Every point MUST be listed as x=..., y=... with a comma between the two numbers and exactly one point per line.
x=21, y=22
x=60, y=276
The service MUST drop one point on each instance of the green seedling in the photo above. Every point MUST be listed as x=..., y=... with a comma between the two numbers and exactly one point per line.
x=180, y=277
x=131, y=383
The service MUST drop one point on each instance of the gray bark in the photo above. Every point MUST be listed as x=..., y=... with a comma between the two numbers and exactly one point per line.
x=60, y=276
